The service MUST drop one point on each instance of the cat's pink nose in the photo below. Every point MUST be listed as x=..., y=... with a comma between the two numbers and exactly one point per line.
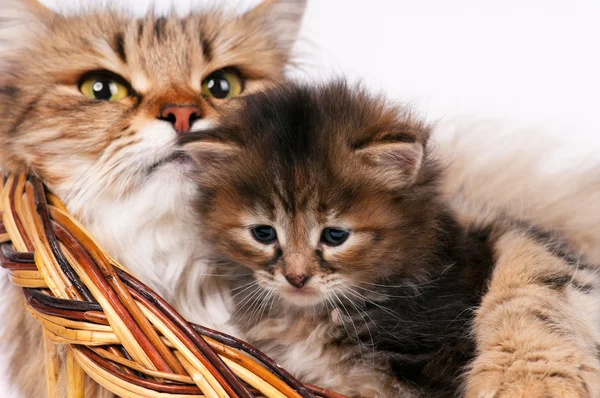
x=297, y=280
x=181, y=116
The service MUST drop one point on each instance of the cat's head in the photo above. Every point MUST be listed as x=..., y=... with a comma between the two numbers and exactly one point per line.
x=94, y=103
x=319, y=191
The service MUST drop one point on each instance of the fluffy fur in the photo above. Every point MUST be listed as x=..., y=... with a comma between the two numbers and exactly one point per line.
x=396, y=309
x=114, y=164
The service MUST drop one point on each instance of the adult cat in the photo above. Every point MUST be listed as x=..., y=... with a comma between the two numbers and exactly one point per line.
x=93, y=104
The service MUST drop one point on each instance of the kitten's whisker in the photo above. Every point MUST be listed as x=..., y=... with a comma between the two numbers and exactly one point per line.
x=366, y=300
x=360, y=312
x=268, y=299
x=251, y=299
x=247, y=286
x=334, y=306
x=385, y=295
x=258, y=303
x=275, y=297
x=236, y=275
x=349, y=316
x=403, y=286
x=262, y=303
x=246, y=300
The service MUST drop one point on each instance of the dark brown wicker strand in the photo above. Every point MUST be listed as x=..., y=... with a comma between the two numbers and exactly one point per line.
x=41, y=207
x=17, y=257
x=50, y=310
x=70, y=305
x=15, y=265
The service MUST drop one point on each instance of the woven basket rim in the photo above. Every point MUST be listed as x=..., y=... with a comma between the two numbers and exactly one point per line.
x=116, y=329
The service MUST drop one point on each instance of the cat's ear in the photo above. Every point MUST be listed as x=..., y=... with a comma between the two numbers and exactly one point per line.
x=281, y=18
x=394, y=160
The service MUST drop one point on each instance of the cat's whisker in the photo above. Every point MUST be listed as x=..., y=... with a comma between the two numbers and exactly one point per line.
x=330, y=300
x=372, y=322
x=349, y=316
x=257, y=303
x=250, y=300
x=403, y=286
x=275, y=298
x=260, y=303
x=247, y=285
x=267, y=300
x=360, y=312
x=367, y=300
x=383, y=294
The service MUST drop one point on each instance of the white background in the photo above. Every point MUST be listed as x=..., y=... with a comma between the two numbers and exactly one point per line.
x=522, y=62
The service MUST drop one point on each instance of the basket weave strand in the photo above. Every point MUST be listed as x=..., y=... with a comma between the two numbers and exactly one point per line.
x=116, y=329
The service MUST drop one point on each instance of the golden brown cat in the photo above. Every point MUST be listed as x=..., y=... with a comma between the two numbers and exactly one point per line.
x=93, y=104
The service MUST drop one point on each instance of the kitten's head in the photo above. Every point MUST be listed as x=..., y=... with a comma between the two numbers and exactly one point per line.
x=317, y=191
x=94, y=103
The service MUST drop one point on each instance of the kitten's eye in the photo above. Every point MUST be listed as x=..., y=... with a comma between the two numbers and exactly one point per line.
x=264, y=234
x=105, y=88
x=223, y=83
x=334, y=236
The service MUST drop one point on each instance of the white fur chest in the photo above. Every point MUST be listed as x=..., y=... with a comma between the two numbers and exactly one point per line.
x=154, y=233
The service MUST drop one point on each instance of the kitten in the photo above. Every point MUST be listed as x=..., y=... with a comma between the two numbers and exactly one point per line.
x=324, y=211
x=93, y=104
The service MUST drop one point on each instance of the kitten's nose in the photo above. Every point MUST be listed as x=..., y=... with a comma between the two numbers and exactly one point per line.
x=181, y=116
x=297, y=280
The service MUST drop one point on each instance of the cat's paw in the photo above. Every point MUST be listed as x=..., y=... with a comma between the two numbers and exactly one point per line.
x=537, y=378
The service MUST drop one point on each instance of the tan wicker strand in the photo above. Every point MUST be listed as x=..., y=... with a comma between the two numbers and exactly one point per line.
x=8, y=219
x=75, y=377
x=52, y=366
x=117, y=331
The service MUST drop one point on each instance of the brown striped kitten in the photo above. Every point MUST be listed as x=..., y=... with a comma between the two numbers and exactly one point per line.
x=323, y=210
x=93, y=102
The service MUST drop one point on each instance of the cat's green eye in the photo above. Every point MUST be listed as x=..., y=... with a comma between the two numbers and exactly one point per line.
x=223, y=83
x=334, y=236
x=105, y=88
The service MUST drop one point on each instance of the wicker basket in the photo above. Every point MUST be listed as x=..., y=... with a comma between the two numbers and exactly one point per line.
x=116, y=329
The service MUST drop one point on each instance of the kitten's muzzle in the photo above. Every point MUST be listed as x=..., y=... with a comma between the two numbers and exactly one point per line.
x=182, y=117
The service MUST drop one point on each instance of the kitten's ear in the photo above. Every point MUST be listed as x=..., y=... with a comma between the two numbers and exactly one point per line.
x=282, y=18
x=393, y=160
